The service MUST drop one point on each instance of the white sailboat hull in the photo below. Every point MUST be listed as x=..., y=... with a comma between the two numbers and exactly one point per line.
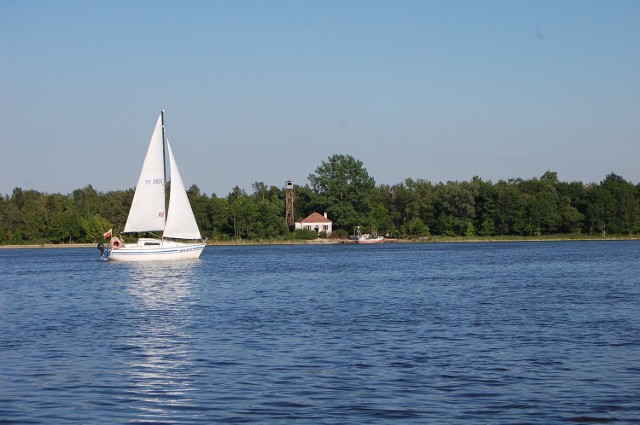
x=181, y=238
x=157, y=250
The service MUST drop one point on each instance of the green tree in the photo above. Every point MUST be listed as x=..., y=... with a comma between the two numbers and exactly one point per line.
x=200, y=206
x=573, y=206
x=347, y=188
x=31, y=217
x=541, y=204
x=485, y=201
x=260, y=191
x=219, y=212
x=62, y=227
x=62, y=219
x=510, y=209
x=92, y=227
x=115, y=206
x=446, y=225
x=571, y=220
x=384, y=214
x=243, y=213
x=416, y=228
x=270, y=221
x=400, y=200
x=87, y=201
x=625, y=213
x=307, y=201
x=269, y=202
x=346, y=217
x=380, y=220
x=456, y=202
x=423, y=201
x=600, y=210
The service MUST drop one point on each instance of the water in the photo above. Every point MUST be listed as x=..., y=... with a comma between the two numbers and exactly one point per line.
x=506, y=333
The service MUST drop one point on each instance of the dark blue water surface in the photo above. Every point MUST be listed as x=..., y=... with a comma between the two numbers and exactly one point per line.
x=500, y=333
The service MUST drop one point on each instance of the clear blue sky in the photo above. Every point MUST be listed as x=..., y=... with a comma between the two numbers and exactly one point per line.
x=266, y=90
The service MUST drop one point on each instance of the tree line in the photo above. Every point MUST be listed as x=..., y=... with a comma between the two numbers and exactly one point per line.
x=343, y=189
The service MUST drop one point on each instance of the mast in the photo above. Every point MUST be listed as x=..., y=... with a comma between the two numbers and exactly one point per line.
x=148, y=208
x=164, y=171
x=164, y=149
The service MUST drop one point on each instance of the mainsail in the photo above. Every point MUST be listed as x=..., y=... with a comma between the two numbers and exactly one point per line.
x=181, y=238
x=147, y=213
x=181, y=223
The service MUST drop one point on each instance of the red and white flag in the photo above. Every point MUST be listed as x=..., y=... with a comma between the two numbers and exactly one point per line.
x=108, y=234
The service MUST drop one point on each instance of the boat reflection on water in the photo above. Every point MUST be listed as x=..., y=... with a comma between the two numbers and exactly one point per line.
x=160, y=367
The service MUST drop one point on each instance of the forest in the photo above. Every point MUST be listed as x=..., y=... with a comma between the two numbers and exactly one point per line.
x=341, y=187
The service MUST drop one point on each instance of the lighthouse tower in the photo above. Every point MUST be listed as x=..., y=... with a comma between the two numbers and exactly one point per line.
x=289, y=197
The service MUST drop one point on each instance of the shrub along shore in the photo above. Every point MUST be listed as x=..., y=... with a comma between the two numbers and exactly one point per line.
x=330, y=241
x=414, y=210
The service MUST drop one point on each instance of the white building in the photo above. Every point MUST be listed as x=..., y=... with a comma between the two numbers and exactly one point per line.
x=316, y=222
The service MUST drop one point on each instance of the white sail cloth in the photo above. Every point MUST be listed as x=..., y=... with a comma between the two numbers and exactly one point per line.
x=147, y=213
x=181, y=223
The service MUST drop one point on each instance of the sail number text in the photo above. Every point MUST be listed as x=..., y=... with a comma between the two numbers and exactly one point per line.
x=154, y=181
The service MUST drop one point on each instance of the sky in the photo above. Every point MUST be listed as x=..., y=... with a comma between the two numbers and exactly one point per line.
x=266, y=90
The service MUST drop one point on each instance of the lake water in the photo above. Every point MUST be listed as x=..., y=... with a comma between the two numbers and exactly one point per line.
x=496, y=333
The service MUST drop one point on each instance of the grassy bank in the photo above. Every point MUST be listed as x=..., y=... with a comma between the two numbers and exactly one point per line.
x=570, y=237
x=328, y=241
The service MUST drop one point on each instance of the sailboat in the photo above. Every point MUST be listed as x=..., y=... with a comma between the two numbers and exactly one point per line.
x=181, y=237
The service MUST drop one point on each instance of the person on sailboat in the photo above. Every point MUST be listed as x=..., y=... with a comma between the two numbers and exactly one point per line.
x=101, y=246
x=105, y=251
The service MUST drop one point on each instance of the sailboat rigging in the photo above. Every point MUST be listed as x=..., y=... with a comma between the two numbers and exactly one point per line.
x=181, y=237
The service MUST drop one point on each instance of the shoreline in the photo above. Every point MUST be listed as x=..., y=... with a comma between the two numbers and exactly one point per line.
x=347, y=241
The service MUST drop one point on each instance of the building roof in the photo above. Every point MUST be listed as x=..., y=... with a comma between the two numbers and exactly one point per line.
x=316, y=218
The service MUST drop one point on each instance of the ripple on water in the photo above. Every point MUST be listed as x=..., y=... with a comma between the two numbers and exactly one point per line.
x=446, y=333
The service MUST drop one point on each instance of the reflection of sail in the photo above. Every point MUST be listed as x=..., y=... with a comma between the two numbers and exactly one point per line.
x=160, y=370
